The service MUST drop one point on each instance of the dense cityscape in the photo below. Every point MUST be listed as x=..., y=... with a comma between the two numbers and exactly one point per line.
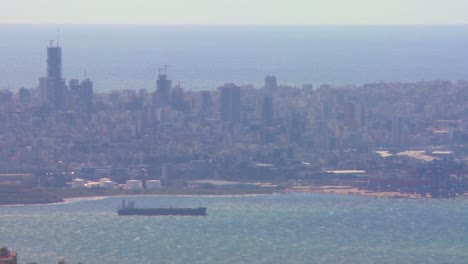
x=403, y=137
x=209, y=132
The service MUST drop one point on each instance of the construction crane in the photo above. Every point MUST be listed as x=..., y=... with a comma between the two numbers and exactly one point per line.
x=165, y=69
x=51, y=41
x=179, y=84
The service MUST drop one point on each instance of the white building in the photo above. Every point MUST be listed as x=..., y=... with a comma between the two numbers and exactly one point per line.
x=78, y=183
x=133, y=185
x=153, y=184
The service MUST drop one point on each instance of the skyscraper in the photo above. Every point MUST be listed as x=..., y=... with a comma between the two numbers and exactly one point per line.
x=349, y=115
x=205, y=104
x=163, y=90
x=271, y=83
x=85, y=95
x=54, y=61
x=360, y=115
x=267, y=110
x=52, y=87
x=74, y=85
x=178, y=99
x=229, y=102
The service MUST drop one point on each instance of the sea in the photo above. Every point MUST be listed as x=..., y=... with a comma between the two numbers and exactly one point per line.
x=203, y=57
x=278, y=228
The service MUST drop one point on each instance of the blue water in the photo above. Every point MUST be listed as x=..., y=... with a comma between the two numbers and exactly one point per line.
x=294, y=228
x=204, y=57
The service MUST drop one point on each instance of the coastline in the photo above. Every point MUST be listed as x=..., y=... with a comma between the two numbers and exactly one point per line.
x=68, y=194
x=332, y=190
x=72, y=195
x=352, y=191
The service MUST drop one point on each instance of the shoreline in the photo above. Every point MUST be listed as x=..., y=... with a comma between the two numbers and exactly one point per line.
x=89, y=194
x=90, y=198
x=71, y=195
x=82, y=193
x=353, y=191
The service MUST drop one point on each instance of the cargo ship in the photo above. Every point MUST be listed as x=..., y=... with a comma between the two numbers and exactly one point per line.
x=129, y=209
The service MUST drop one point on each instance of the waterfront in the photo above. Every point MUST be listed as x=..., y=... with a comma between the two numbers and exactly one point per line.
x=281, y=228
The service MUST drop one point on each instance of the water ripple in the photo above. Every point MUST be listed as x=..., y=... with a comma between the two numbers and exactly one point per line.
x=295, y=228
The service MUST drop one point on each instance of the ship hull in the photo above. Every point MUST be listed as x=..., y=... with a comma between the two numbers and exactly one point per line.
x=162, y=211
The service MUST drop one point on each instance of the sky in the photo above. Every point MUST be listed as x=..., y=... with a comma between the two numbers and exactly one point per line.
x=233, y=12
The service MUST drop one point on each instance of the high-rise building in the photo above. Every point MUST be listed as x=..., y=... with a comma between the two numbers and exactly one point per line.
x=267, y=110
x=270, y=83
x=326, y=110
x=81, y=96
x=360, y=115
x=205, y=104
x=52, y=87
x=24, y=94
x=52, y=92
x=205, y=101
x=54, y=62
x=74, y=85
x=354, y=115
x=229, y=102
x=348, y=114
x=163, y=90
x=85, y=95
x=178, y=99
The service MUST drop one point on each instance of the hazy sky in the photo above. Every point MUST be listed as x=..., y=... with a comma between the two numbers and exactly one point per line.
x=234, y=11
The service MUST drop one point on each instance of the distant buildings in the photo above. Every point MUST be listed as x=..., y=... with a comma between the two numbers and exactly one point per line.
x=205, y=103
x=348, y=114
x=271, y=83
x=229, y=102
x=183, y=135
x=85, y=96
x=360, y=115
x=81, y=96
x=267, y=110
x=354, y=115
x=53, y=90
x=177, y=98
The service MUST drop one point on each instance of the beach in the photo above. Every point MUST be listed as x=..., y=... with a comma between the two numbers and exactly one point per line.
x=350, y=190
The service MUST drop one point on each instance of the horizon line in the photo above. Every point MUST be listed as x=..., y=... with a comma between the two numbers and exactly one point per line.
x=231, y=24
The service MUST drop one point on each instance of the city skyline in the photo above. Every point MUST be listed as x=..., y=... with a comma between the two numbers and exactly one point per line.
x=234, y=12
x=291, y=138
x=204, y=57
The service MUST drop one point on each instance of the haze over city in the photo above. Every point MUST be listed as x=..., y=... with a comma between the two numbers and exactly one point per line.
x=233, y=131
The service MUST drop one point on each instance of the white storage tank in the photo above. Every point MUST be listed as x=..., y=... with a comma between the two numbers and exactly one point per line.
x=106, y=184
x=92, y=185
x=133, y=185
x=104, y=180
x=78, y=184
x=153, y=184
